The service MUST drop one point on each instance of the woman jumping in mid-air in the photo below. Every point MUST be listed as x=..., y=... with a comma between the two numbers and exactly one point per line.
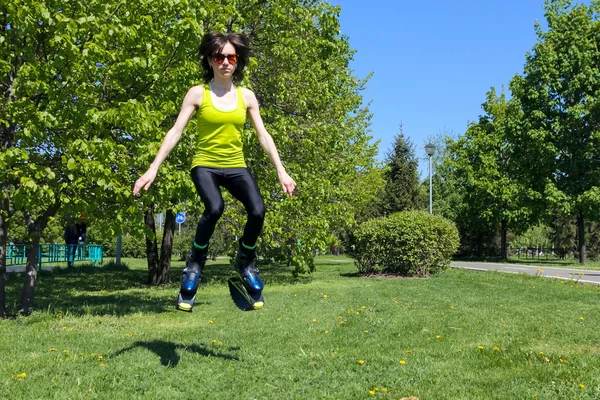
x=222, y=109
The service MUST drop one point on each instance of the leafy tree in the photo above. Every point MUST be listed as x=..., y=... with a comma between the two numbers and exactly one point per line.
x=311, y=105
x=483, y=162
x=402, y=191
x=558, y=144
x=72, y=81
x=89, y=88
x=537, y=236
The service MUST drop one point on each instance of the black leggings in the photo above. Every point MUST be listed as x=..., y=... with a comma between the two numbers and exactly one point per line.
x=242, y=186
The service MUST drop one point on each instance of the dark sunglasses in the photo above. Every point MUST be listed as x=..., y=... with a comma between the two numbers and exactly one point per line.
x=219, y=58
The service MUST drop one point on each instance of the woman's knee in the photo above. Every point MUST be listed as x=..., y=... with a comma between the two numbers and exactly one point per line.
x=214, y=211
x=257, y=213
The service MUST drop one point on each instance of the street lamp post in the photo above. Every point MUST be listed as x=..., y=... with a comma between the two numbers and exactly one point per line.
x=429, y=149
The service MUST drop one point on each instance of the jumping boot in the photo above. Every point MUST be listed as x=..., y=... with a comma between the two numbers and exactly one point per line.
x=246, y=288
x=190, y=279
x=248, y=273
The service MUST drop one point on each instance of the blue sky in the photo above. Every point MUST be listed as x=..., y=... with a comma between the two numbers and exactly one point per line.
x=434, y=61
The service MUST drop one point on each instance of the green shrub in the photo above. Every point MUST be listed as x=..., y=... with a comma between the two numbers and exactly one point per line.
x=408, y=243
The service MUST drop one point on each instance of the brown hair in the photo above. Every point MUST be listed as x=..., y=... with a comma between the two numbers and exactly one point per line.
x=213, y=43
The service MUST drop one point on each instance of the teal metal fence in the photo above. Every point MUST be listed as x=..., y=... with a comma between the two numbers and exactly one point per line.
x=49, y=253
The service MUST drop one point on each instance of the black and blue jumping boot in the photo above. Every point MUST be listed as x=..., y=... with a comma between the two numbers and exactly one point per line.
x=246, y=288
x=190, y=278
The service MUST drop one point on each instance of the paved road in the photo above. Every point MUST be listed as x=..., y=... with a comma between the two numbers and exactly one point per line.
x=582, y=275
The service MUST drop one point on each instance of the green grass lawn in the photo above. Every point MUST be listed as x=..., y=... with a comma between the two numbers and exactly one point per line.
x=101, y=333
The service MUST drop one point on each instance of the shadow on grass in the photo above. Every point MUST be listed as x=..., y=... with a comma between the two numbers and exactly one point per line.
x=117, y=290
x=167, y=351
x=271, y=274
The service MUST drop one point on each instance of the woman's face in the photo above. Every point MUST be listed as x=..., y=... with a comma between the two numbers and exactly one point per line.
x=224, y=63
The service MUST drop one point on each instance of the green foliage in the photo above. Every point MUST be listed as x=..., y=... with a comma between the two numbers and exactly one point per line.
x=405, y=243
x=312, y=106
x=402, y=191
x=92, y=86
x=448, y=193
x=558, y=139
x=131, y=246
x=494, y=196
x=536, y=236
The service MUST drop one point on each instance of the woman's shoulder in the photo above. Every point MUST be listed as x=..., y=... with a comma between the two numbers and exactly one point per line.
x=249, y=96
x=197, y=90
x=195, y=94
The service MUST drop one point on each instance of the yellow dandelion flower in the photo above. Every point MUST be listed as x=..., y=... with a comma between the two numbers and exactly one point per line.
x=438, y=337
x=452, y=307
x=376, y=389
x=99, y=357
x=102, y=365
x=52, y=348
x=294, y=294
x=65, y=351
x=314, y=320
x=557, y=310
x=480, y=347
x=214, y=340
x=384, y=390
x=496, y=348
x=327, y=332
x=340, y=317
x=220, y=343
x=371, y=393
x=366, y=331
x=541, y=353
x=581, y=385
x=127, y=334
x=402, y=362
x=210, y=321
x=460, y=350
x=363, y=307
x=22, y=375
x=278, y=319
x=361, y=362
x=325, y=296
x=581, y=318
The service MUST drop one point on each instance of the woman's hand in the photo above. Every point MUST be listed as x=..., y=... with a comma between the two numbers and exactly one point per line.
x=287, y=183
x=145, y=181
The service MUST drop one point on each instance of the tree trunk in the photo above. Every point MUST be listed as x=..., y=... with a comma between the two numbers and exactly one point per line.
x=581, y=238
x=28, y=292
x=34, y=233
x=151, y=245
x=4, y=213
x=504, y=241
x=166, y=250
x=6, y=142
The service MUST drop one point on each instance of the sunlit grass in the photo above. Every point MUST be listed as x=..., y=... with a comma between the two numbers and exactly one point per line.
x=102, y=333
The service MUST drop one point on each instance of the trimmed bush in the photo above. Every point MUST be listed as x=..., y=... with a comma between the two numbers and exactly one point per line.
x=408, y=243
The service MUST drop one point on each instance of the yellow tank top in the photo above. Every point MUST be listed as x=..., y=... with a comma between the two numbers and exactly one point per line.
x=219, y=142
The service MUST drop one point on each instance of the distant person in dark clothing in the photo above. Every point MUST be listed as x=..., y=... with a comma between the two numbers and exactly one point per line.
x=71, y=237
x=81, y=232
